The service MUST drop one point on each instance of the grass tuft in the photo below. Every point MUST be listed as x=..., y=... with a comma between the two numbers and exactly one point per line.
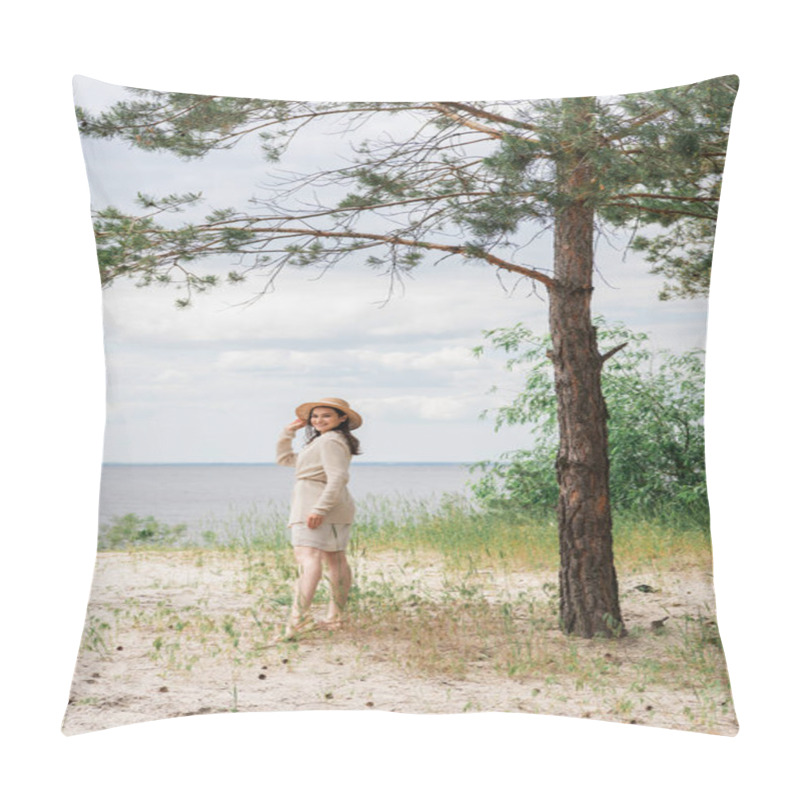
x=440, y=591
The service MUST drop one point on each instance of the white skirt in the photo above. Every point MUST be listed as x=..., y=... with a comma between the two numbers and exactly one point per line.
x=330, y=536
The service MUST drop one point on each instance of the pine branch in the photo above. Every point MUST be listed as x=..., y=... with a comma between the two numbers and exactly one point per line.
x=444, y=111
x=666, y=197
x=613, y=351
x=637, y=123
x=479, y=112
x=397, y=240
x=674, y=212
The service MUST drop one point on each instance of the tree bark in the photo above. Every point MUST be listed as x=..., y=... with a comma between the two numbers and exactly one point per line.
x=589, y=597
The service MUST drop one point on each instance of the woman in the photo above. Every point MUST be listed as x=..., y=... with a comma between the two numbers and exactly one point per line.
x=322, y=508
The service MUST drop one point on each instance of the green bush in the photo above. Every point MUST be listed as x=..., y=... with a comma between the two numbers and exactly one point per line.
x=134, y=532
x=655, y=427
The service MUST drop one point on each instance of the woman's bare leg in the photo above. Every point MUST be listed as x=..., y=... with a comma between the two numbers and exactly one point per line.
x=341, y=578
x=309, y=565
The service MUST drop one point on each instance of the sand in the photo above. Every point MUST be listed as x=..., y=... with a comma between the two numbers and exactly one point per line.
x=172, y=634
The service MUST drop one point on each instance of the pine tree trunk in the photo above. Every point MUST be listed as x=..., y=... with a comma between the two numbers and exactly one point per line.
x=589, y=598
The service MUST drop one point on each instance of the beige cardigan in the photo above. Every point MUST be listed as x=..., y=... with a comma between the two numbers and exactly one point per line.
x=321, y=475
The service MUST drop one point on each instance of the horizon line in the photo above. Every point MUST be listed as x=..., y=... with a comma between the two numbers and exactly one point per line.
x=268, y=463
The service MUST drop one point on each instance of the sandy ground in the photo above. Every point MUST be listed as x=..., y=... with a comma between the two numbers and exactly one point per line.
x=139, y=663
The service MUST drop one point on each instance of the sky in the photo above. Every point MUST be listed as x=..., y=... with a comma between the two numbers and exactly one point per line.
x=217, y=381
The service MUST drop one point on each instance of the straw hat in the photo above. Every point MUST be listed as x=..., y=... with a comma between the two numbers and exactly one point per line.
x=304, y=411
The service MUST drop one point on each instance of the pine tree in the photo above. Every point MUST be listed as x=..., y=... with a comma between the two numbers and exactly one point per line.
x=469, y=180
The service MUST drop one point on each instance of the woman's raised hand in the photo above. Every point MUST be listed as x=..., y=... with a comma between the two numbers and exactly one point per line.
x=296, y=425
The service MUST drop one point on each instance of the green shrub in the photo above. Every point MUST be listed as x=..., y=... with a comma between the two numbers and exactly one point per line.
x=134, y=532
x=655, y=427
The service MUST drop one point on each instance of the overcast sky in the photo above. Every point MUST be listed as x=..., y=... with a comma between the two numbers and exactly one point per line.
x=217, y=381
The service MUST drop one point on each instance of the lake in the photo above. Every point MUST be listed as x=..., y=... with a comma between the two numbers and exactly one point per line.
x=193, y=494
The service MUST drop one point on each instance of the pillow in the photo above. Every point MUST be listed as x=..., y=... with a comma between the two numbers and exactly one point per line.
x=508, y=301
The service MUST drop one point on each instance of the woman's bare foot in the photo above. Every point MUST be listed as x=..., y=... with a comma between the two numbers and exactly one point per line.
x=334, y=624
x=294, y=627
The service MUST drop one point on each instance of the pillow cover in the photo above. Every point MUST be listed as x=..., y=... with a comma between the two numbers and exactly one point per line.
x=263, y=259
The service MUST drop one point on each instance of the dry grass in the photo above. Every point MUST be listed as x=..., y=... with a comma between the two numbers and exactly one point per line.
x=186, y=632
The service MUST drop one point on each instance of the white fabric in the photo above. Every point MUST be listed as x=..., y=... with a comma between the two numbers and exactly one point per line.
x=321, y=476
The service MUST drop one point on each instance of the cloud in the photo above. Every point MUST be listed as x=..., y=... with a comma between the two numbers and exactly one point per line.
x=446, y=358
x=345, y=306
x=423, y=407
x=275, y=360
x=222, y=368
x=333, y=360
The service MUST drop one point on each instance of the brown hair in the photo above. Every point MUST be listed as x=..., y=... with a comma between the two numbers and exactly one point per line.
x=343, y=427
